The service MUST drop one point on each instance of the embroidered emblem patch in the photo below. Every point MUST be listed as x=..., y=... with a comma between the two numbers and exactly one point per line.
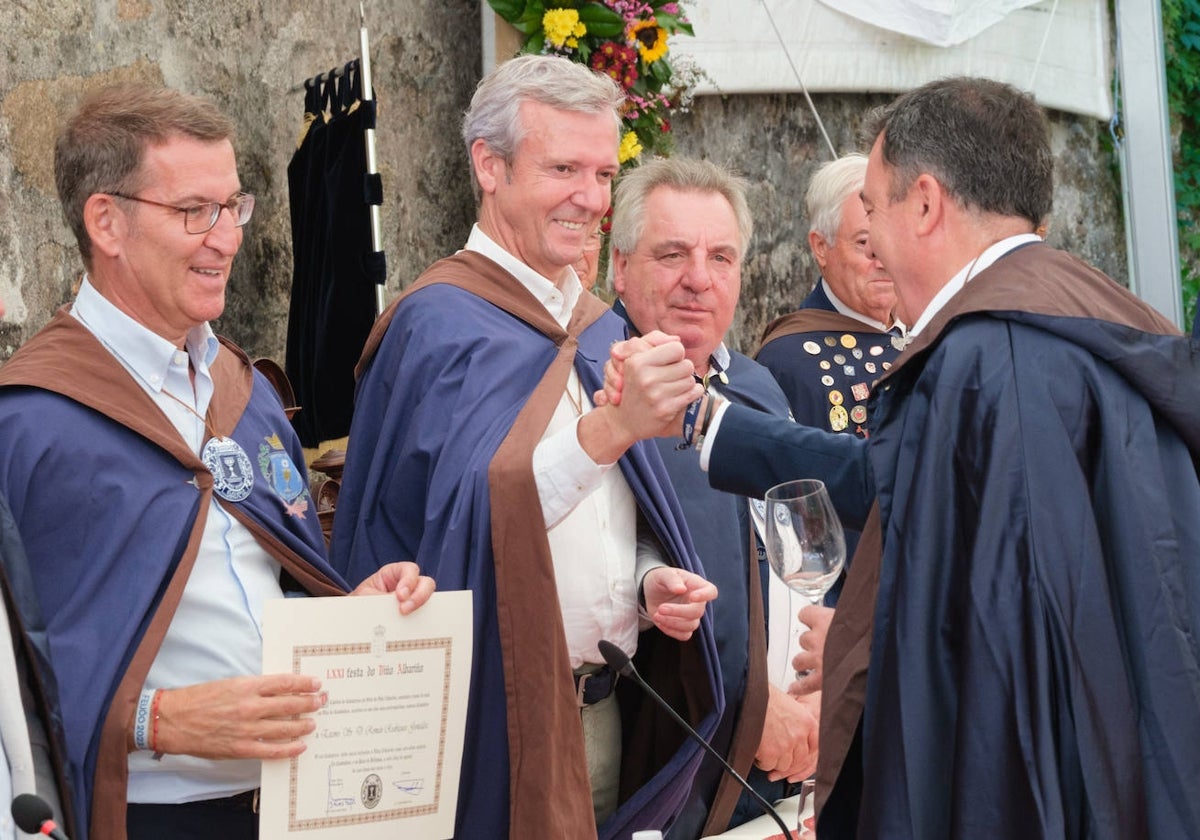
x=233, y=476
x=283, y=476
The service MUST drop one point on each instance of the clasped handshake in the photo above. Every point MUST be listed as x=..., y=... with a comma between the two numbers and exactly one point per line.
x=653, y=380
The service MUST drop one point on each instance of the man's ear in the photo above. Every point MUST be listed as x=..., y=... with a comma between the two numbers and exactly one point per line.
x=930, y=206
x=490, y=167
x=620, y=265
x=106, y=223
x=819, y=247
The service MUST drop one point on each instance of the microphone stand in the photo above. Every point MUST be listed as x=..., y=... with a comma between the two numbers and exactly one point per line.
x=619, y=661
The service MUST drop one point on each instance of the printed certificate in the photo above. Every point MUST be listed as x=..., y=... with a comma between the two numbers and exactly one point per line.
x=385, y=757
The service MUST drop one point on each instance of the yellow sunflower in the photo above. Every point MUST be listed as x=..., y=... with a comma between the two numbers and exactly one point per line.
x=651, y=40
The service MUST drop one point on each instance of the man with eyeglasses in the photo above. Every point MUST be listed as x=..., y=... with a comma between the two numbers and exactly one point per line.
x=158, y=486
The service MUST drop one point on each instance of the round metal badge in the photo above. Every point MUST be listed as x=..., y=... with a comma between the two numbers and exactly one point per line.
x=838, y=418
x=233, y=475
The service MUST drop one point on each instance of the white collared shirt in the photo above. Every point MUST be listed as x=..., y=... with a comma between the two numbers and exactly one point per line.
x=967, y=273
x=216, y=631
x=589, y=511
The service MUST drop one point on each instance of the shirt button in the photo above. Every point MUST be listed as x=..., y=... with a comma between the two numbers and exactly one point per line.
x=180, y=357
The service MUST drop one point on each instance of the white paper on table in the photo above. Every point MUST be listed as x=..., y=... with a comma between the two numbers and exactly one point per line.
x=385, y=758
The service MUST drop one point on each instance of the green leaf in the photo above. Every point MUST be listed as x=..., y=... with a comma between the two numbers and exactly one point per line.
x=535, y=44
x=510, y=10
x=530, y=21
x=601, y=21
x=674, y=23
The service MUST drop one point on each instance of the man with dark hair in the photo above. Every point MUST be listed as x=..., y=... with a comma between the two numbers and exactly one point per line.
x=1025, y=592
x=475, y=451
x=153, y=538
x=680, y=231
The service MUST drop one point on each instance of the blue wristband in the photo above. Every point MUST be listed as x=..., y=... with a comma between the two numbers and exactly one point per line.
x=142, y=719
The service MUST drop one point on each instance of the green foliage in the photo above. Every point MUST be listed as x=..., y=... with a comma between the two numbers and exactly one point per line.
x=1181, y=36
x=626, y=39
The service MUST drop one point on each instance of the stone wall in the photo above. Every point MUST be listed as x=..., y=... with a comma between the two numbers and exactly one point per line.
x=775, y=142
x=252, y=57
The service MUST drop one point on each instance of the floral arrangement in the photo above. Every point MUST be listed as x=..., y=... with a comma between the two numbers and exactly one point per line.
x=627, y=39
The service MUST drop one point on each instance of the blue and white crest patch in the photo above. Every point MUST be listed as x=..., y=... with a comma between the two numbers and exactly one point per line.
x=283, y=476
x=233, y=475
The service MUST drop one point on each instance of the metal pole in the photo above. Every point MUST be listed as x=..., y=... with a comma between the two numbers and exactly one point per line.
x=368, y=94
x=1147, y=176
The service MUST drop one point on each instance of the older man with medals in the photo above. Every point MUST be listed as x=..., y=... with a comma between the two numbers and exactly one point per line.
x=828, y=354
x=157, y=485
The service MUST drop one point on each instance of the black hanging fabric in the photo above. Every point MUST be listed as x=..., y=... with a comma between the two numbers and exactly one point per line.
x=335, y=267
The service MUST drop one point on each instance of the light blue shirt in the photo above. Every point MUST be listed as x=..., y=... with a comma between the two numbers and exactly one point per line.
x=216, y=631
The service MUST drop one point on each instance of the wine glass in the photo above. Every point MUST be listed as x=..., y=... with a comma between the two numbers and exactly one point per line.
x=804, y=809
x=804, y=540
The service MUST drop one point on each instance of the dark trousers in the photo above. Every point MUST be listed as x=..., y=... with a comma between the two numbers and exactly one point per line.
x=213, y=819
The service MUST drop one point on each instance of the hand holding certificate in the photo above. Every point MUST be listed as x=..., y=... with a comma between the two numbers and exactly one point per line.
x=388, y=744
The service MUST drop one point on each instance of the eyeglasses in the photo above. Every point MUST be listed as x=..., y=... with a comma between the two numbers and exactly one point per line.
x=201, y=218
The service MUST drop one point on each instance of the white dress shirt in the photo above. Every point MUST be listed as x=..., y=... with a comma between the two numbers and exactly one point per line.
x=966, y=274
x=590, y=513
x=216, y=631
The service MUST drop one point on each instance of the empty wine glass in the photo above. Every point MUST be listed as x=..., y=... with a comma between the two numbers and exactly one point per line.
x=805, y=544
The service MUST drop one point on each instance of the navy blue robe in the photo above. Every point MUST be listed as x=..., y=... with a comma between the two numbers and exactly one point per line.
x=455, y=392
x=107, y=497
x=1033, y=669
x=720, y=526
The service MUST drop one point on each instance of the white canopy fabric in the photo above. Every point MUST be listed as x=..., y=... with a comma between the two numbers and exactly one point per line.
x=942, y=23
x=835, y=52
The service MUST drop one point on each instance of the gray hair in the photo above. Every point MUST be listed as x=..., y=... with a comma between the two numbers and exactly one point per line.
x=831, y=185
x=986, y=142
x=494, y=113
x=685, y=175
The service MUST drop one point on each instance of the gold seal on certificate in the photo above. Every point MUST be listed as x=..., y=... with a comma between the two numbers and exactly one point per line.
x=385, y=756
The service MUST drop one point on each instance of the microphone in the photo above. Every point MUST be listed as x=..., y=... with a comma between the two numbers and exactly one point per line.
x=33, y=816
x=619, y=661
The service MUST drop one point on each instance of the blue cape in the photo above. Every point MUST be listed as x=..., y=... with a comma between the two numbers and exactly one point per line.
x=1035, y=670
x=720, y=526
x=33, y=647
x=461, y=377
x=1018, y=630
x=110, y=502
